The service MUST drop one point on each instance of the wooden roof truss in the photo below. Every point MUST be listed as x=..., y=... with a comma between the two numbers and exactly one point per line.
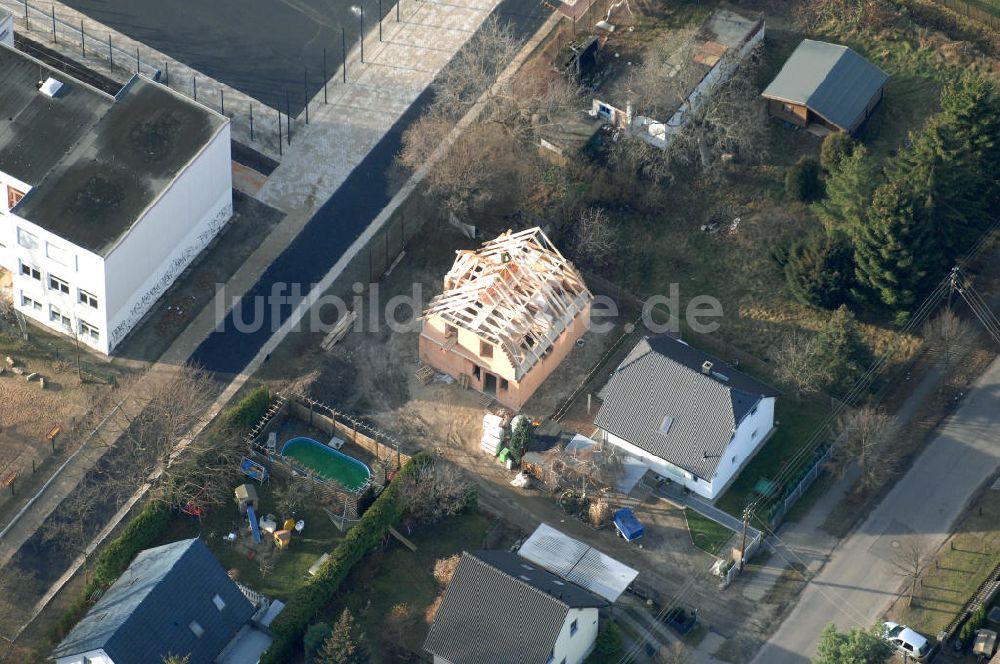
x=517, y=292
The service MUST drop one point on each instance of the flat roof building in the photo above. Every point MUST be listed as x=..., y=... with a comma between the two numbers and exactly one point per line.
x=105, y=199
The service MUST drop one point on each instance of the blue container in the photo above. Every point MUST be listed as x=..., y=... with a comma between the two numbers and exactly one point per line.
x=628, y=525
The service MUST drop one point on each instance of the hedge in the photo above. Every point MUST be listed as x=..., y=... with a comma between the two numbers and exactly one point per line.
x=148, y=525
x=114, y=559
x=300, y=611
x=249, y=410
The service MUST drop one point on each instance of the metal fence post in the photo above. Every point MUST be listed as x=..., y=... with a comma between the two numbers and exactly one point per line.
x=111, y=55
x=251, y=121
x=54, y=40
x=325, y=77
x=279, y=133
x=361, y=37
x=222, y=100
x=305, y=90
x=380, y=20
x=83, y=39
x=194, y=86
x=138, y=68
x=343, y=51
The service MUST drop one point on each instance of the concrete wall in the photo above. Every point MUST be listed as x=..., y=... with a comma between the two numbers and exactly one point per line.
x=575, y=647
x=750, y=434
x=457, y=359
x=173, y=230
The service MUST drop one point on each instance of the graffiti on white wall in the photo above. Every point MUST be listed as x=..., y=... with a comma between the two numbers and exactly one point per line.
x=177, y=264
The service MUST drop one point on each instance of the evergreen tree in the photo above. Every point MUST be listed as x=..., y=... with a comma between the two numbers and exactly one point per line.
x=854, y=647
x=849, y=190
x=896, y=256
x=836, y=146
x=313, y=639
x=344, y=645
x=820, y=270
x=970, y=104
x=940, y=170
x=841, y=352
x=802, y=181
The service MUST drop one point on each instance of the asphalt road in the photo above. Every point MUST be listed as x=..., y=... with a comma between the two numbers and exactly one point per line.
x=859, y=582
x=325, y=238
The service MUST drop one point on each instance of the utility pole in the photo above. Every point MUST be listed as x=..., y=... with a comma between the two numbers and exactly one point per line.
x=743, y=546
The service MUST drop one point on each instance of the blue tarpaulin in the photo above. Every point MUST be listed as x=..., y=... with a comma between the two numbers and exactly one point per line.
x=628, y=525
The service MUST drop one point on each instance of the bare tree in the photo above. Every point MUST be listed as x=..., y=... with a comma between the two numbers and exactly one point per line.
x=290, y=496
x=594, y=238
x=911, y=561
x=491, y=159
x=868, y=439
x=949, y=338
x=444, y=569
x=435, y=490
x=730, y=120
x=797, y=364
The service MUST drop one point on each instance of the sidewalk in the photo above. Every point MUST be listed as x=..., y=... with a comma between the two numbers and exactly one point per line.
x=855, y=581
x=318, y=163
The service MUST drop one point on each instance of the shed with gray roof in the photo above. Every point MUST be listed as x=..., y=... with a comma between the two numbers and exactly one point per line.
x=826, y=84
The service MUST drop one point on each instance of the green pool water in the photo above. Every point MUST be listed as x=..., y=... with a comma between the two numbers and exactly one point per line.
x=327, y=462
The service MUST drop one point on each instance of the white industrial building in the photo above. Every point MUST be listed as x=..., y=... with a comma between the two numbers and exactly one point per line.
x=104, y=200
x=6, y=27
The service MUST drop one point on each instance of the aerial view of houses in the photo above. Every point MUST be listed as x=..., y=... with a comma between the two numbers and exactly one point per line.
x=499, y=332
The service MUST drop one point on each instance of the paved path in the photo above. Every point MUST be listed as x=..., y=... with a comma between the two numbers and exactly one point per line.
x=356, y=137
x=858, y=583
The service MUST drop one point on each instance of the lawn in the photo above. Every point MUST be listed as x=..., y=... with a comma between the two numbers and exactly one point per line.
x=962, y=564
x=706, y=534
x=272, y=572
x=391, y=590
x=795, y=423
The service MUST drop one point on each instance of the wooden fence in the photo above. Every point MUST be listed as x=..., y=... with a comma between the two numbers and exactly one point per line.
x=973, y=12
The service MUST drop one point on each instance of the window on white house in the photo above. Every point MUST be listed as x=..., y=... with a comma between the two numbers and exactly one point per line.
x=88, y=299
x=552, y=656
x=26, y=239
x=734, y=458
x=196, y=629
x=753, y=436
x=668, y=421
x=29, y=303
x=485, y=349
x=31, y=271
x=57, y=316
x=57, y=284
x=753, y=411
x=572, y=628
x=219, y=604
x=57, y=254
x=88, y=331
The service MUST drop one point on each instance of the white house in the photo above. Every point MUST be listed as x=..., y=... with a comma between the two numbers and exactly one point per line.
x=691, y=418
x=504, y=609
x=104, y=200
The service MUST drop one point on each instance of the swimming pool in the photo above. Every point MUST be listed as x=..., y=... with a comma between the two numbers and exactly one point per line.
x=327, y=462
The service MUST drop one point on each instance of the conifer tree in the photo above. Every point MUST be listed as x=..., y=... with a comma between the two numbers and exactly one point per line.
x=344, y=645
x=849, y=190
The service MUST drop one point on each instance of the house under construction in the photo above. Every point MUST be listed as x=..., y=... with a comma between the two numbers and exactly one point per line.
x=509, y=314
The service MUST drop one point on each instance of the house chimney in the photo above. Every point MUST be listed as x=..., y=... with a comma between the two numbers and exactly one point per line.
x=706, y=368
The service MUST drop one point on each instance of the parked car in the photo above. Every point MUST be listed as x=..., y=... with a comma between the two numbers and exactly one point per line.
x=907, y=641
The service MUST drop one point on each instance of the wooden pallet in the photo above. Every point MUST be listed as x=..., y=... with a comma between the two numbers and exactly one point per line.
x=425, y=374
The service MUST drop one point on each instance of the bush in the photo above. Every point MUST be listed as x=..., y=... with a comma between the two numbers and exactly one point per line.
x=249, y=410
x=609, y=646
x=836, y=146
x=819, y=271
x=802, y=181
x=314, y=638
x=387, y=510
x=974, y=622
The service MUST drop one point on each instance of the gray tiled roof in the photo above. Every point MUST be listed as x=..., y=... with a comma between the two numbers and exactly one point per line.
x=502, y=609
x=146, y=613
x=663, y=377
x=831, y=80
